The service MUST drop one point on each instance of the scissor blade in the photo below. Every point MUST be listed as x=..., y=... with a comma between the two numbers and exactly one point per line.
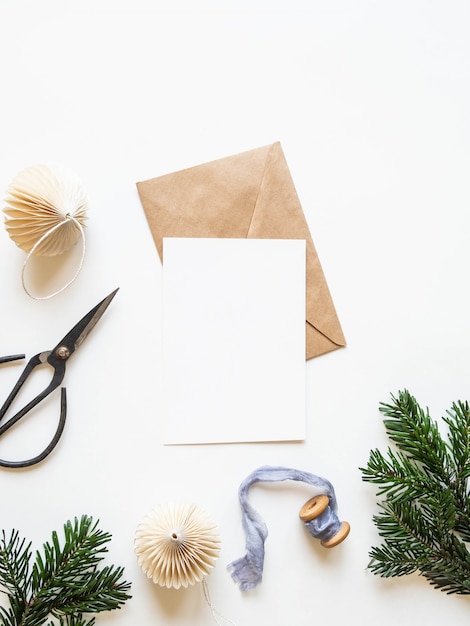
x=81, y=330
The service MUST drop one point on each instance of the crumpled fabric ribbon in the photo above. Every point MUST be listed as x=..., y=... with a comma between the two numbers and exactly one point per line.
x=247, y=571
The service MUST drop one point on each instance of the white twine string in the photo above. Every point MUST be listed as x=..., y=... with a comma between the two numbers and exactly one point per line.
x=215, y=613
x=52, y=230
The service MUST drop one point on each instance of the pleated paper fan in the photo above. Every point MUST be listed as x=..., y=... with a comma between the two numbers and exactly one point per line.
x=177, y=545
x=45, y=201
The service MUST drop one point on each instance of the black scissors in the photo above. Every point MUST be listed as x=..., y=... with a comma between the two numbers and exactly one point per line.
x=57, y=359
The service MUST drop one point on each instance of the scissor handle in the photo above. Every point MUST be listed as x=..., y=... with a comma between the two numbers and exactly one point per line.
x=51, y=446
x=11, y=357
x=35, y=361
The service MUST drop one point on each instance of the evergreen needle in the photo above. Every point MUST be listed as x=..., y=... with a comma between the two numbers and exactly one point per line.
x=64, y=583
x=424, y=517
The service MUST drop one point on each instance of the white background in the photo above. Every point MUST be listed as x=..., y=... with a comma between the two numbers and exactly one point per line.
x=370, y=100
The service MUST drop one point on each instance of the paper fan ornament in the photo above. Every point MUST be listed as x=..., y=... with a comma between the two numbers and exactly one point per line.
x=177, y=545
x=45, y=211
x=39, y=199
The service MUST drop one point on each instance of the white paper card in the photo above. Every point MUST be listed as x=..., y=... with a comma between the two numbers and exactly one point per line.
x=233, y=340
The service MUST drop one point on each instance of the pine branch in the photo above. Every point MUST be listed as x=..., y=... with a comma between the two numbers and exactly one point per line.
x=396, y=475
x=64, y=581
x=71, y=620
x=458, y=421
x=411, y=428
x=14, y=562
x=424, y=519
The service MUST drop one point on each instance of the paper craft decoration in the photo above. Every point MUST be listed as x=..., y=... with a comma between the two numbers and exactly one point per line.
x=233, y=340
x=177, y=545
x=248, y=195
x=45, y=209
x=45, y=213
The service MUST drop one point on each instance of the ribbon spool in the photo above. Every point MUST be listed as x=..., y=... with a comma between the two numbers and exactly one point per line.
x=318, y=514
x=318, y=518
x=45, y=213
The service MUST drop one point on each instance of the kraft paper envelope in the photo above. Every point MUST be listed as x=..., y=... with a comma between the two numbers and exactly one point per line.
x=247, y=195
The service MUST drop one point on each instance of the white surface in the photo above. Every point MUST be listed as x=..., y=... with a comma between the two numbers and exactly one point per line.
x=233, y=347
x=370, y=101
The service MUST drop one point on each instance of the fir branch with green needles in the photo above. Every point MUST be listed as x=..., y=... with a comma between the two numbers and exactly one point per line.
x=424, y=517
x=64, y=584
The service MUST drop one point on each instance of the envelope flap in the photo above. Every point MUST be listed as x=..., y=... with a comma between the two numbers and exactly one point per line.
x=278, y=214
x=215, y=199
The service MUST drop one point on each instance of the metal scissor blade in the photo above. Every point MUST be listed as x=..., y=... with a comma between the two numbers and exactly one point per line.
x=75, y=337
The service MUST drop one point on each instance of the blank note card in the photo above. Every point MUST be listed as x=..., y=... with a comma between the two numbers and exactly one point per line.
x=233, y=340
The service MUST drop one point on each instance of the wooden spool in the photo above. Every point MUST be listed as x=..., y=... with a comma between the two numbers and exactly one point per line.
x=313, y=508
